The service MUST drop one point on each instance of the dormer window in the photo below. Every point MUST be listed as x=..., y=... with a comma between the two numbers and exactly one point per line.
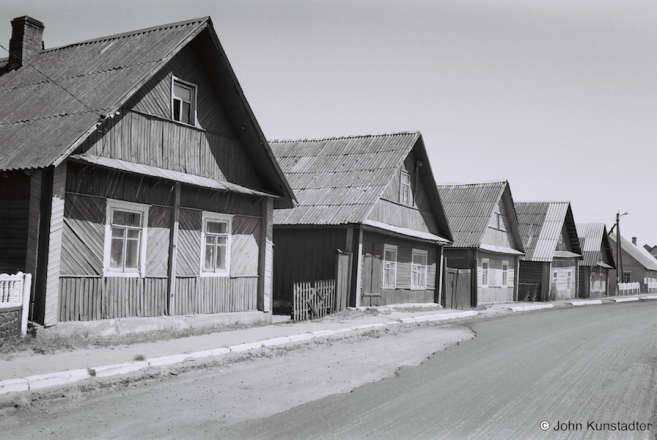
x=405, y=193
x=183, y=102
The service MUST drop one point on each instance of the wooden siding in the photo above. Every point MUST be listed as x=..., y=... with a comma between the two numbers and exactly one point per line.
x=245, y=247
x=227, y=203
x=388, y=210
x=304, y=254
x=55, y=245
x=494, y=292
x=14, y=215
x=214, y=295
x=499, y=236
x=93, y=298
x=155, y=97
x=189, y=243
x=157, y=243
x=531, y=272
x=374, y=243
x=83, y=237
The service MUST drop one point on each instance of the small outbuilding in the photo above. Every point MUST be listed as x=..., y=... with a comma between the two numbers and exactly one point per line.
x=552, y=250
x=597, y=260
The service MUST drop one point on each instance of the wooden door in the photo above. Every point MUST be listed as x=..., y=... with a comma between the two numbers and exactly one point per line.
x=457, y=289
x=371, y=290
x=343, y=280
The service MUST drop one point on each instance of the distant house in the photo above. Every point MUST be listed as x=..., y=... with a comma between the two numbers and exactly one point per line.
x=135, y=178
x=552, y=250
x=598, y=260
x=637, y=264
x=372, y=197
x=483, y=221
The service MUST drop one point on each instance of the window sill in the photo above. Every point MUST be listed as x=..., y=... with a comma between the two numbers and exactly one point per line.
x=110, y=274
x=214, y=274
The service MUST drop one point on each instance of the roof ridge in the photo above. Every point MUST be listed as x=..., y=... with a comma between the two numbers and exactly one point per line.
x=128, y=34
x=491, y=182
x=357, y=136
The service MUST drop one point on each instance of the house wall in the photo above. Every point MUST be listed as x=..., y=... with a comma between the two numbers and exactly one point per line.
x=564, y=284
x=373, y=243
x=303, y=254
x=14, y=213
x=498, y=233
x=389, y=210
x=86, y=294
x=495, y=291
x=145, y=133
x=535, y=272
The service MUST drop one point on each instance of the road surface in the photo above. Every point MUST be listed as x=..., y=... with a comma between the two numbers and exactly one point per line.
x=568, y=367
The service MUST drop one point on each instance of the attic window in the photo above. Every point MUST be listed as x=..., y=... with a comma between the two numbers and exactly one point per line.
x=405, y=193
x=183, y=102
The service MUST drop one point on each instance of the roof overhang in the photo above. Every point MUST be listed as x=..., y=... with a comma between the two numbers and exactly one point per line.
x=500, y=249
x=605, y=265
x=385, y=228
x=161, y=173
x=566, y=254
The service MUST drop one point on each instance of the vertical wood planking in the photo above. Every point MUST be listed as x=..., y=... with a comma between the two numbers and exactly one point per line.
x=173, y=248
x=55, y=245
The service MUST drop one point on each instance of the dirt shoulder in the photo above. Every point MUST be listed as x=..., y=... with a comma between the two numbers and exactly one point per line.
x=186, y=401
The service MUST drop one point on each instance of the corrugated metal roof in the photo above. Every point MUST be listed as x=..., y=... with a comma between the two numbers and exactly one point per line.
x=469, y=208
x=592, y=239
x=641, y=255
x=540, y=225
x=338, y=180
x=405, y=231
x=39, y=120
x=177, y=176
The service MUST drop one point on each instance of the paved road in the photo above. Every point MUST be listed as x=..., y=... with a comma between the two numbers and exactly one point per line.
x=575, y=365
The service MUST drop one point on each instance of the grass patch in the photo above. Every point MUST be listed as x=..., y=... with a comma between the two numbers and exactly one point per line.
x=48, y=342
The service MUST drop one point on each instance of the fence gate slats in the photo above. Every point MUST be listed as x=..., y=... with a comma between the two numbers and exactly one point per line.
x=312, y=300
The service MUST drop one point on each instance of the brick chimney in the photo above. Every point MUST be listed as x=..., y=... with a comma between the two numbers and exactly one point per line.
x=634, y=241
x=26, y=40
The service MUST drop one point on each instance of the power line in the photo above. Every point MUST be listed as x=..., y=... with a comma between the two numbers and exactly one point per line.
x=53, y=81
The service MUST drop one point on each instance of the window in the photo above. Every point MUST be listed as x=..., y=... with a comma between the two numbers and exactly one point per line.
x=626, y=277
x=569, y=279
x=555, y=275
x=125, y=238
x=484, y=272
x=405, y=193
x=419, y=269
x=183, y=102
x=215, y=249
x=505, y=273
x=389, y=266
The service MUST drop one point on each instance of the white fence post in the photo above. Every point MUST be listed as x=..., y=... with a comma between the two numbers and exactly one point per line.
x=27, y=284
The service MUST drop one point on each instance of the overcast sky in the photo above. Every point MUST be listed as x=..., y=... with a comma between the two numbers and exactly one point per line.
x=557, y=96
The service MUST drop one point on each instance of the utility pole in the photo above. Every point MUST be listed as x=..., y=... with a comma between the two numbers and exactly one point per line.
x=619, y=255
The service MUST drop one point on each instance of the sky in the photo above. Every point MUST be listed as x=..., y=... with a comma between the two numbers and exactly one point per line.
x=559, y=97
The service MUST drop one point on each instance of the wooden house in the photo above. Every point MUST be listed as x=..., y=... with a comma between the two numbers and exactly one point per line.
x=652, y=250
x=636, y=263
x=483, y=221
x=134, y=177
x=370, y=197
x=597, y=260
x=552, y=250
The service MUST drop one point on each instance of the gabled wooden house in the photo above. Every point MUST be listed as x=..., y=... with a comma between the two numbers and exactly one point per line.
x=552, y=250
x=371, y=197
x=483, y=221
x=134, y=177
x=597, y=260
x=652, y=250
x=637, y=265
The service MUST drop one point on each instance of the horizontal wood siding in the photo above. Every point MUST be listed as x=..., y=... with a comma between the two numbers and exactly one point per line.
x=214, y=295
x=86, y=298
x=302, y=255
x=227, y=203
x=402, y=293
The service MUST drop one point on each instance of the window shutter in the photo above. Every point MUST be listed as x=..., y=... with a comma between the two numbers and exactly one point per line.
x=510, y=277
x=479, y=271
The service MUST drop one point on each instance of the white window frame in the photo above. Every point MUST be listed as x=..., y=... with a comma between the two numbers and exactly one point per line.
x=569, y=277
x=215, y=216
x=129, y=207
x=194, y=88
x=485, y=273
x=389, y=247
x=405, y=189
x=505, y=273
x=425, y=254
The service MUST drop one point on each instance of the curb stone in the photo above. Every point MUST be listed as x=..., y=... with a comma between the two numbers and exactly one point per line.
x=592, y=302
x=620, y=300
x=113, y=370
x=14, y=385
x=60, y=378
x=532, y=307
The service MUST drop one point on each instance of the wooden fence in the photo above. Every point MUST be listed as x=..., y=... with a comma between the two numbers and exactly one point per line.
x=529, y=292
x=14, y=303
x=313, y=300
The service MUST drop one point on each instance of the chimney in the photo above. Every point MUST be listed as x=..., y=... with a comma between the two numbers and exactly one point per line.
x=634, y=241
x=26, y=40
